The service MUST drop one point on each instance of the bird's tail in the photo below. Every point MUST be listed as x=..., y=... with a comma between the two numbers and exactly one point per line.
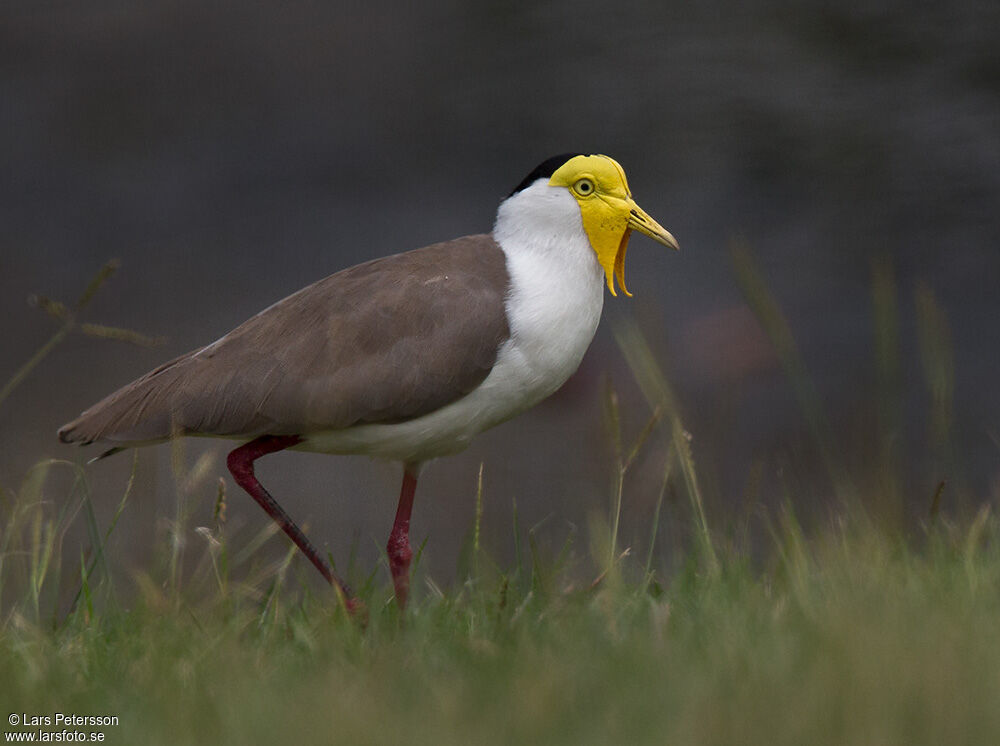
x=140, y=412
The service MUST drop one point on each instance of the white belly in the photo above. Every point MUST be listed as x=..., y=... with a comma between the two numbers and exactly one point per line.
x=553, y=308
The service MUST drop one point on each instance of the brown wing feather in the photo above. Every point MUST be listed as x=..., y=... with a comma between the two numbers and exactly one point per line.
x=384, y=341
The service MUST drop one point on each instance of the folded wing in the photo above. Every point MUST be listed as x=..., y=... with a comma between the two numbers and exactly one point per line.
x=384, y=341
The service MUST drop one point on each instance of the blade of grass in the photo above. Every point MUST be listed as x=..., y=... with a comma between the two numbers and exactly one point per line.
x=85, y=589
x=46, y=535
x=776, y=326
x=104, y=274
x=613, y=417
x=69, y=322
x=518, y=567
x=668, y=463
x=885, y=308
x=477, y=522
x=68, y=318
x=937, y=359
x=660, y=396
x=110, y=529
x=122, y=335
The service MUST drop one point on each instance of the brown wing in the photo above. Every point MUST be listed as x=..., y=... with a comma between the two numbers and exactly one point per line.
x=384, y=341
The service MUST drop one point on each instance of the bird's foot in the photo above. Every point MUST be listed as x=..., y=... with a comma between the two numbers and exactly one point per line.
x=356, y=610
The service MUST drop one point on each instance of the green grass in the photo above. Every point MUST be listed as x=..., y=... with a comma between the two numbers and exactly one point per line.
x=860, y=629
x=845, y=638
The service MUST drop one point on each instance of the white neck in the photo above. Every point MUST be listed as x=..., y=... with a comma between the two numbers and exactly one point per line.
x=557, y=284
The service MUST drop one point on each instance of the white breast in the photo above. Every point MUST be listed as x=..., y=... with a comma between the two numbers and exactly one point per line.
x=557, y=291
x=553, y=308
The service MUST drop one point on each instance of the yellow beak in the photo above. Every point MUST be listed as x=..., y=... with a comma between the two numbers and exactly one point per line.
x=640, y=221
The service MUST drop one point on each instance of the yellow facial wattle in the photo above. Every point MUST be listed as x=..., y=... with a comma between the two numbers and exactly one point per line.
x=608, y=211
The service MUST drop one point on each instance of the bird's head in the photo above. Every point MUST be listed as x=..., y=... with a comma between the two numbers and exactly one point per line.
x=609, y=214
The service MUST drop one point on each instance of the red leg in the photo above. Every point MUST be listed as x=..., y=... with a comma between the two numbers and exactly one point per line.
x=240, y=462
x=398, y=549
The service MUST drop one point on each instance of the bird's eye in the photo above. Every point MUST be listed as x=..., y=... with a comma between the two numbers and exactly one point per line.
x=584, y=187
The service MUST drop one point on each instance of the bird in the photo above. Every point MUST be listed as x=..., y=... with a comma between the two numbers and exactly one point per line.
x=405, y=357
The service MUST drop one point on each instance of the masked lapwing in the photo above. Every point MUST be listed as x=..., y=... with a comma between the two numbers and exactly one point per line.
x=405, y=357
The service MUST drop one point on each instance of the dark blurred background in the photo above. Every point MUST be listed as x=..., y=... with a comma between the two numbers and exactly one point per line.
x=230, y=153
